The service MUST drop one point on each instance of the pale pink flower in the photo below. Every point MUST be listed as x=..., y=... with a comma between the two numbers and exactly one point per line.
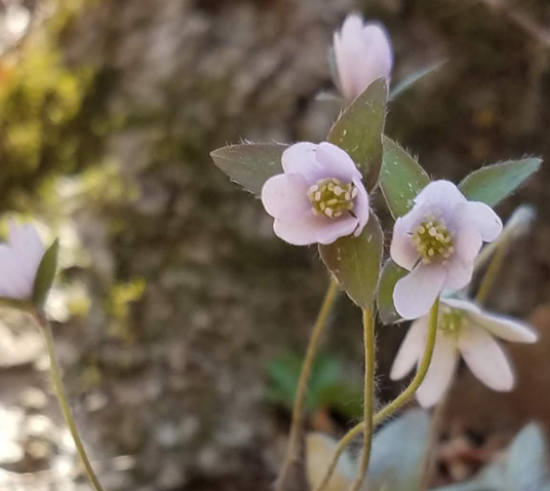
x=438, y=241
x=320, y=196
x=467, y=330
x=20, y=258
x=363, y=54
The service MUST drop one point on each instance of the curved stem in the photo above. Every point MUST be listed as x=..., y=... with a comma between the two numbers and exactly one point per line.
x=491, y=274
x=396, y=403
x=63, y=402
x=368, y=328
x=292, y=453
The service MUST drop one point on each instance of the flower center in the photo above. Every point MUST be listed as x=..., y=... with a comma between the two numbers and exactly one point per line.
x=451, y=322
x=433, y=240
x=330, y=197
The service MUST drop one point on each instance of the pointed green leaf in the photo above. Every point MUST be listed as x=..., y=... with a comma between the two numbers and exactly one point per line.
x=398, y=453
x=391, y=274
x=527, y=468
x=414, y=77
x=355, y=262
x=45, y=275
x=250, y=164
x=402, y=178
x=359, y=129
x=492, y=183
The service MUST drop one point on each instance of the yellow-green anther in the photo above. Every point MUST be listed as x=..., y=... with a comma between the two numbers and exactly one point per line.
x=331, y=197
x=432, y=240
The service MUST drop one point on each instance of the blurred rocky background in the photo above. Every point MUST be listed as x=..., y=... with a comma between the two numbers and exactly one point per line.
x=175, y=297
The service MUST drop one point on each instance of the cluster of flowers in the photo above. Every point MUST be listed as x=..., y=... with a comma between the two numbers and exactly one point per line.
x=320, y=197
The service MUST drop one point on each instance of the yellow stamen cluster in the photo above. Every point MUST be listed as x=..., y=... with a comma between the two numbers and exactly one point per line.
x=332, y=198
x=451, y=322
x=432, y=240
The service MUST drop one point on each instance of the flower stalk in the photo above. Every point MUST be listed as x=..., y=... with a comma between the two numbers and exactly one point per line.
x=63, y=401
x=292, y=452
x=397, y=403
x=368, y=418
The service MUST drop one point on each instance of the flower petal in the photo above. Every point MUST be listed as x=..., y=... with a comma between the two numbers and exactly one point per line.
x=467, y=243
x=284, y=196
x=401, y=250
x=348, y=51
x=486, y=358
x=362, y=207
x=479, y=216
x=377, y=41
x=336, y=163
x=415, y=294
x=459, y=273
x=28, y=248
x=441, y=371
x=299, y=232
x=334, y=229
x=442, y=195
x=13, y=283
x=311, y=229
x=458, y=303
x=320, y=450
x=300, y=158
x=410, y=350
x=505, y=327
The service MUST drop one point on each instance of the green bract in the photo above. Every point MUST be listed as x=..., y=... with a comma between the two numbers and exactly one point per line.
x=402, y=178
x=391, y=274
x=492, y=183
x=250, y=164
x=359, y=129
x=45, y=275
x=355, y=262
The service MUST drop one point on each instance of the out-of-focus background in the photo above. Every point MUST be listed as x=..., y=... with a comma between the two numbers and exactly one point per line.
x=179, y=318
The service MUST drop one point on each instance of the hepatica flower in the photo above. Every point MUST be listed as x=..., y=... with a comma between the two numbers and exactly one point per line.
x=363, y=54
x=319, y=197
x=463, y=329
x=20, y=258
x=437, y=241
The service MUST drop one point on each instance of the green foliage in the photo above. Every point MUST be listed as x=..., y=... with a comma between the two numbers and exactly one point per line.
x=250, y=165
x=414, y=77
x=359, y=130
x=402, y=178
x=398, y=453
x=492, y=183
x=391, y=274
x=45, y=275
x=355, y=262
x=525, y=468
x=328, y=387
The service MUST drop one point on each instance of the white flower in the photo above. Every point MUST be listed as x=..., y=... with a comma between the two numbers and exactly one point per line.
x=20, y=258
x=438, y=241
x=318, y=198
x=363, y=54
x=463, y=329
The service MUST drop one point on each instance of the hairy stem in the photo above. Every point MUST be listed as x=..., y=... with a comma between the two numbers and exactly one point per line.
x=63, y=402
x=368, y=328
x=397, y=403
x=292, y=453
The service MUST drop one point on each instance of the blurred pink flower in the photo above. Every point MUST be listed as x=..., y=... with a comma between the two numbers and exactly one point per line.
x=363, y=54
x=320, y=196
x=438, y=241
x=464, y=329
x=20, y=258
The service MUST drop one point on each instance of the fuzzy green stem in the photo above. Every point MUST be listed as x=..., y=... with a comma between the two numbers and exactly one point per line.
x=292, y=453
x=63, y=402
x=370, y=367
x=393, y=406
